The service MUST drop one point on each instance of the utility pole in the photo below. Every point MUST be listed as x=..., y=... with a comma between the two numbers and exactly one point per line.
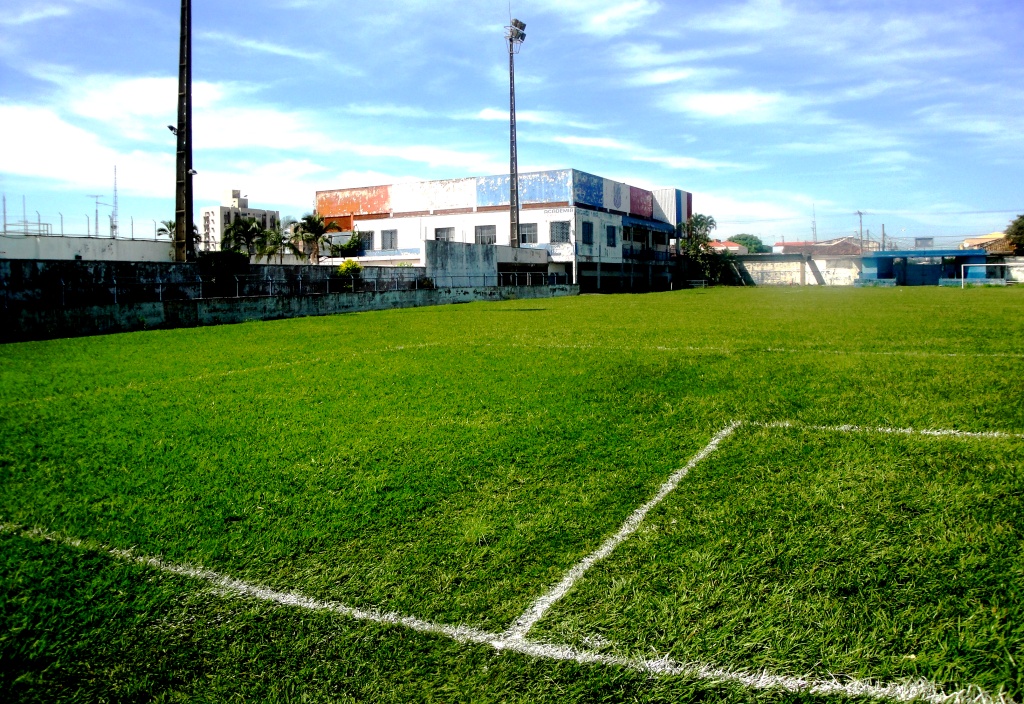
x=860, y=217
x=96, y=218
x=184, y=245
x=516, y=36
x=814, y=222
x=96, y=222
x=883, y=236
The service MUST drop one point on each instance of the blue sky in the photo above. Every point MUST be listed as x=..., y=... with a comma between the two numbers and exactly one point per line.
x=766, y=110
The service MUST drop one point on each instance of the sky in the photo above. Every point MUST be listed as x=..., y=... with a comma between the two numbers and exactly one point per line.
x=777, y=115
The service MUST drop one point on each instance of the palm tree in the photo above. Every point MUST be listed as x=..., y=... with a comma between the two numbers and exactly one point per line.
x=311, y=231
x=241, y=235
x=166, y=227
x=272, y=243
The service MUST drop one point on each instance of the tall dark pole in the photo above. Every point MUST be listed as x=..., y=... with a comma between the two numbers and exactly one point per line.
x=516, y=36
x=184, y=242
x=513, y=178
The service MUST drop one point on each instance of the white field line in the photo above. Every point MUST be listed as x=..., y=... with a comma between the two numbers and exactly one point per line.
x=986, y=435
x=539, y=607
x=921, y=690
x=754, y=350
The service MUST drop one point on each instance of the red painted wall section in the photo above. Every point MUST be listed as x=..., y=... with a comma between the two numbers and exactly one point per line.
x=354, y=201
x=641, y=202
x=689, y=206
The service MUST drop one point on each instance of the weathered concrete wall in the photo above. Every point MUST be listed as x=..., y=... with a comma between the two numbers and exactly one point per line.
x=450, y=263
x=27, y=324
x=67, y=283
x=778, y=273
x=840, y=271
x=1014, y=269
x=60, y=247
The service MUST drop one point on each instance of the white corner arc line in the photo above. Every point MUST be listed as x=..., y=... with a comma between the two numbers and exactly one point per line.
x=545, y=601
x=921, y=690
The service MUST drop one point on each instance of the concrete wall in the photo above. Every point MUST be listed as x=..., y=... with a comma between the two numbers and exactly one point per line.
x=1014, y=269
x=774, y=273
x=25, y=324
x=85, y=248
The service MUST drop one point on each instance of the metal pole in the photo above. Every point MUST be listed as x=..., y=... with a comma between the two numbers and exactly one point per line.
x=513, y=179
x=61, y=224
x=88, y=227
x=184, y=245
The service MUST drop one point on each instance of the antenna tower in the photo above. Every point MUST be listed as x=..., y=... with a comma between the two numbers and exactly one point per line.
x=113, y=214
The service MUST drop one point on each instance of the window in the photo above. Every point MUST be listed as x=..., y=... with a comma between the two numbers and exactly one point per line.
x=560, y=232
x=610, y=230
x=389, y=239
x=528, y=233
x=486, y=234
x=588, y=232
x=366, y=238
x=444, y=234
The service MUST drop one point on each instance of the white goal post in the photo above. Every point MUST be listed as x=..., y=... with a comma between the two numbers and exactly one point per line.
x=965, y=267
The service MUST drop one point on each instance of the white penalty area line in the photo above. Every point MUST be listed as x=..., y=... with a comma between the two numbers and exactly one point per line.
x=921, y=690
x=983, y=435
x=539, y=607
x=536, y=611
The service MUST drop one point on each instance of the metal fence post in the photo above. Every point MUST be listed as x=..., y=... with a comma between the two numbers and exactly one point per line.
x=237, y=294
x=160, y=289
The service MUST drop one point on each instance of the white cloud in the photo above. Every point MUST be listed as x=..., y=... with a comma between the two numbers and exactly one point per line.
x=653, y=55
x=662, y=76
x=387, y=111
x=647, y=156
x=618, y=18
x=689, y=163
x=34, y=14
x=750, y=17
x=537, y=117
x=595, y=143
x=746, y=106
x=74, y=157
x=261, y=46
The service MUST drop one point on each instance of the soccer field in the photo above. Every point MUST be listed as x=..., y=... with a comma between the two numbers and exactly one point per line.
x=742, y=494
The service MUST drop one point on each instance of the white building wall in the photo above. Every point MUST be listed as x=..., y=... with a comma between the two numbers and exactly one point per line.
x=85, y=248
x=212, y=221
x=413, y=231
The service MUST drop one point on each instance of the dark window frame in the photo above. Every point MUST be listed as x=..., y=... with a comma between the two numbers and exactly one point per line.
x=587, y=232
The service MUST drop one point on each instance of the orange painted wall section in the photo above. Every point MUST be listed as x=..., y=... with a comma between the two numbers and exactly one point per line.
x=354, y=201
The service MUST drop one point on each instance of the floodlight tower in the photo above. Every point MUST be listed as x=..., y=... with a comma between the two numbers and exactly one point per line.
x=515, y=34
x=184, y=244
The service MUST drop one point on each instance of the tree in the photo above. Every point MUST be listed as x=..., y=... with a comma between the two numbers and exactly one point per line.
x=311, y=232
x=166, y=227
x=695, y=240
x=272, y=243
x=241, y=235
x=753, y=243
x=1015, y=234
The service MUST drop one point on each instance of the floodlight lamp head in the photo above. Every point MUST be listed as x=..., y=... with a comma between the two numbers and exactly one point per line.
x=173, y=129
x=519, y=25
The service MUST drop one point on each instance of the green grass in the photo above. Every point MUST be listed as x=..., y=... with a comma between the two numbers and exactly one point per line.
x=452, y=463
x=817, y=552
